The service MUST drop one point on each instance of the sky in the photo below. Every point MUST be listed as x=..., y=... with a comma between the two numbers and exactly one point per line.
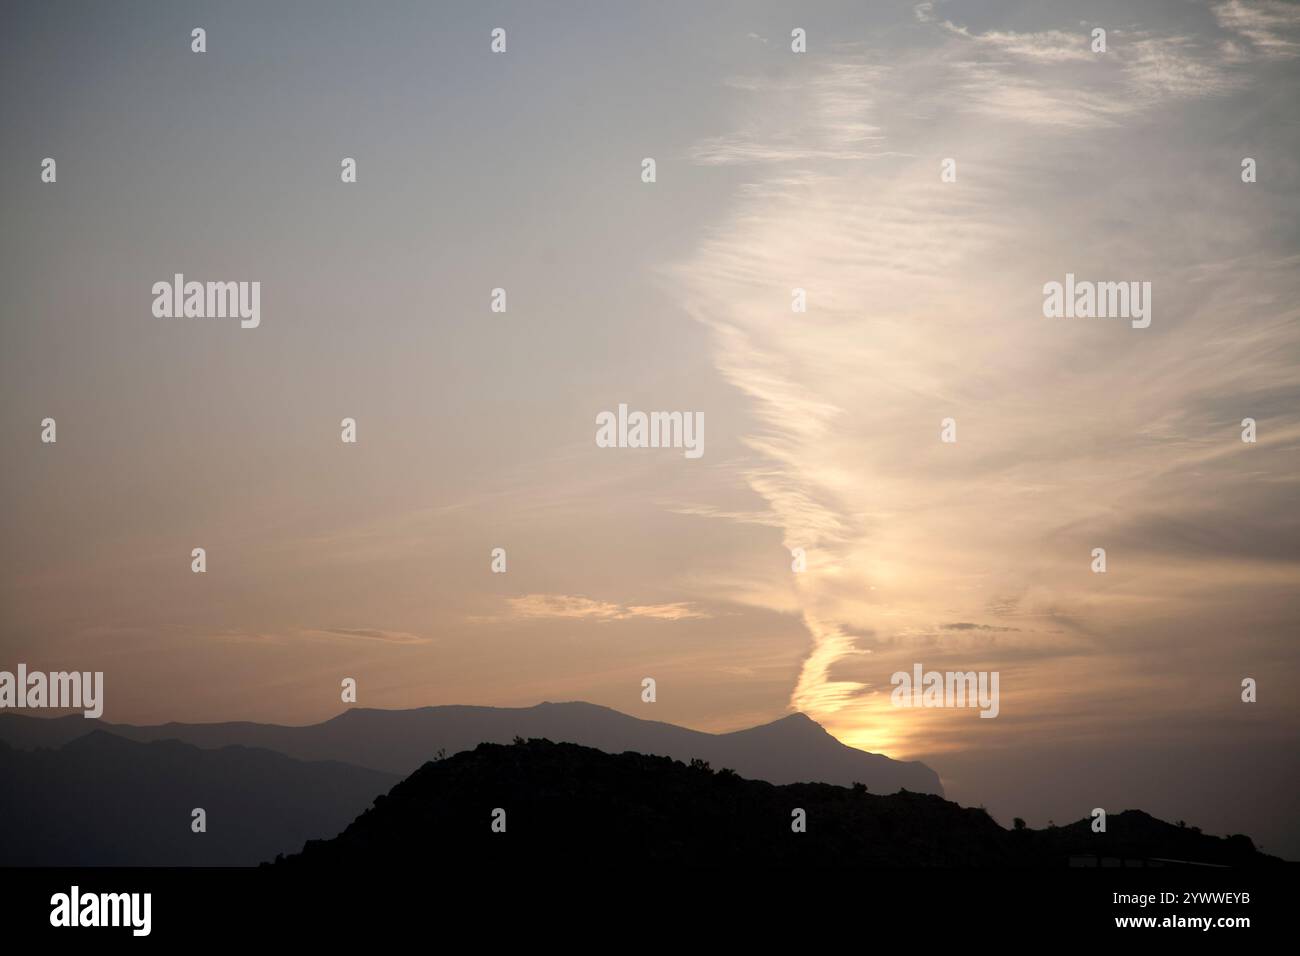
x=476, y=430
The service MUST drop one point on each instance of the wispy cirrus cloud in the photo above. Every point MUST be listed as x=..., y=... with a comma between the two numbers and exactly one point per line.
x=574, y=607
x=828, y=125
x=1054, y=78
x=1271, y=27
x=924, y=301
x=340, y=635
x=1048, y=46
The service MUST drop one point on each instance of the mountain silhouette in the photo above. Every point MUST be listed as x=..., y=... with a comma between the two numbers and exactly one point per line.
x=790, y=750
x=102, y=800
x=566, y=803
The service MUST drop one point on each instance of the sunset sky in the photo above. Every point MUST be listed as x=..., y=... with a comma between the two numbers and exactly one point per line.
x=476, y=430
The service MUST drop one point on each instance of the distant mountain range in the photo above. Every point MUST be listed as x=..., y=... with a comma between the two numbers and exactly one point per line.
x=83, y=793
x=86, y=792
x=562, y=802
x=790, y=750
x=102, y=800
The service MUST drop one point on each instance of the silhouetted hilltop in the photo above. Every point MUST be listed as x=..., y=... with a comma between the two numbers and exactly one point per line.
x=1136, y=835
x=789, y=750
x=102, y=800
x=566, y=803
